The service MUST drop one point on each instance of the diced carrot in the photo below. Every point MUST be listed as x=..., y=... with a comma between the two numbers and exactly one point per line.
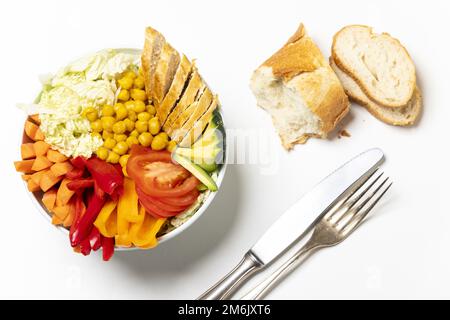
x=31, y=130
x=49, y=199
x=32, y=187
x=55, y=156
x=35, y=118
x=55, y=220
x=39, y=136
x=61, y=212
x=26, y=177
x=61, y=168
x=27, y=151
x=64, y=194
x=41, y=163
x=71, y=216
x=36, y=177
x=48, y=180
x=41, y=148
x=24, y=166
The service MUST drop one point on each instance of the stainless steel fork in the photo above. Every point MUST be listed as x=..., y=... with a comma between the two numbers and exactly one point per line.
x=334, y=228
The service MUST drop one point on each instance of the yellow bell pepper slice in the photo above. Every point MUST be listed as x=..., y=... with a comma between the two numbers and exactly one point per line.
x=143, y=234
x=127, y=212
x=106, y=221
x=128, y=202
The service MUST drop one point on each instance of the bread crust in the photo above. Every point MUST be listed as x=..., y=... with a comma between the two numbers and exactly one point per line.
x=415, y=104
x=347, y=69
x=302, y=67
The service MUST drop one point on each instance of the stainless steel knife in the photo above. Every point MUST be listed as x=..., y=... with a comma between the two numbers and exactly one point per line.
x=297, y=221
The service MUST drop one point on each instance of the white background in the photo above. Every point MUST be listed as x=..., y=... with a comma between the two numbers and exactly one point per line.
x=402, y=252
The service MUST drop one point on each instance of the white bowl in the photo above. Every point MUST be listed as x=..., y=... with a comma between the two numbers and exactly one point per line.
x=36, y=197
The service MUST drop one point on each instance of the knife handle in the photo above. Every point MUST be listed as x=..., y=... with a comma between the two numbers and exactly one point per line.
x=232, y=281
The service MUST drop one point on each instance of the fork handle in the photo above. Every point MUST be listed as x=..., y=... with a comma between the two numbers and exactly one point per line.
x=259, y=291
x=233, y=280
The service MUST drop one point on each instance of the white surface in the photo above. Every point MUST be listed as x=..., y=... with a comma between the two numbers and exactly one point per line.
x=402, y=252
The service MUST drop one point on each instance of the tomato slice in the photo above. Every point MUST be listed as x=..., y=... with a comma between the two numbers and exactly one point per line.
x=154, y=190
x=185, y=200
x=152, y=208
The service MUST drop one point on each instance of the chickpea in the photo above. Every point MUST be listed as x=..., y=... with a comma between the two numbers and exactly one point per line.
x=119, y=127
x=151, y=109
x=121, y=113
x=124, y=95
x=118, y=105
x=139, y=82
x=144, y=116
x=134, y=133
x=107, y=134
x=91, y=114
x=107, y=111
x=124, y=159
x=130, y=74
x=145, y=139
x=138, y=95
x=132, y=140
x=108, y=123
x=125, y=83
x=109, y=143
x=113, y=157
x=132, y=115
x=129, y=124
x=120, y=137
x=139, y=106
x=164, y=136
x=159, y=143
x=154, y=125
x=171, y=146
x=96, y=126
x=102, y=153
x=121, y=148
x=141, y=126
x=129, y=105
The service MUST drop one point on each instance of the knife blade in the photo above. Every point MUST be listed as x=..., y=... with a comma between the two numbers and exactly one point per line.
x=297, y=221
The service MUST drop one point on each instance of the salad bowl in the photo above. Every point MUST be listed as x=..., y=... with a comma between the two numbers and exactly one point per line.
x=36, y=197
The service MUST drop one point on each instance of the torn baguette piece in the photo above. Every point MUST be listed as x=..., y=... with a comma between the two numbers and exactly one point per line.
x=298, y=88
x=378, y=63
x=405, y=116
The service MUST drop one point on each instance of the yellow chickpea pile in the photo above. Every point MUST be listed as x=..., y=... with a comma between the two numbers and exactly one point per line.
x=130, y=121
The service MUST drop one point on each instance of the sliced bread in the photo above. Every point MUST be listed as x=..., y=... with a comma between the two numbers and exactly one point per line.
x=166, y=67
x=176, y=89
x=192, y=114
x=378, y=63
x=395, y=116
x=298, y=88
x=200, y=125
x=150, y=57
x=180, y=113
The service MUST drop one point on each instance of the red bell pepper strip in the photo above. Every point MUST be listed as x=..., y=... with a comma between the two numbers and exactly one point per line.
x=85, y=247
x=79, y=208
x=108, y=248
x=78, y=162
x=95, y=239
x=106, y=176
x=86, y=223
x=75, y=173
x=80, y=184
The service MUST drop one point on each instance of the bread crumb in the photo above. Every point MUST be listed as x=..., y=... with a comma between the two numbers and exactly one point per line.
x=344, y=133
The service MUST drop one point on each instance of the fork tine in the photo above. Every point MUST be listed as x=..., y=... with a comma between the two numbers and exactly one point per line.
x=353, y=224
x=343, y=202
x=351, y=203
